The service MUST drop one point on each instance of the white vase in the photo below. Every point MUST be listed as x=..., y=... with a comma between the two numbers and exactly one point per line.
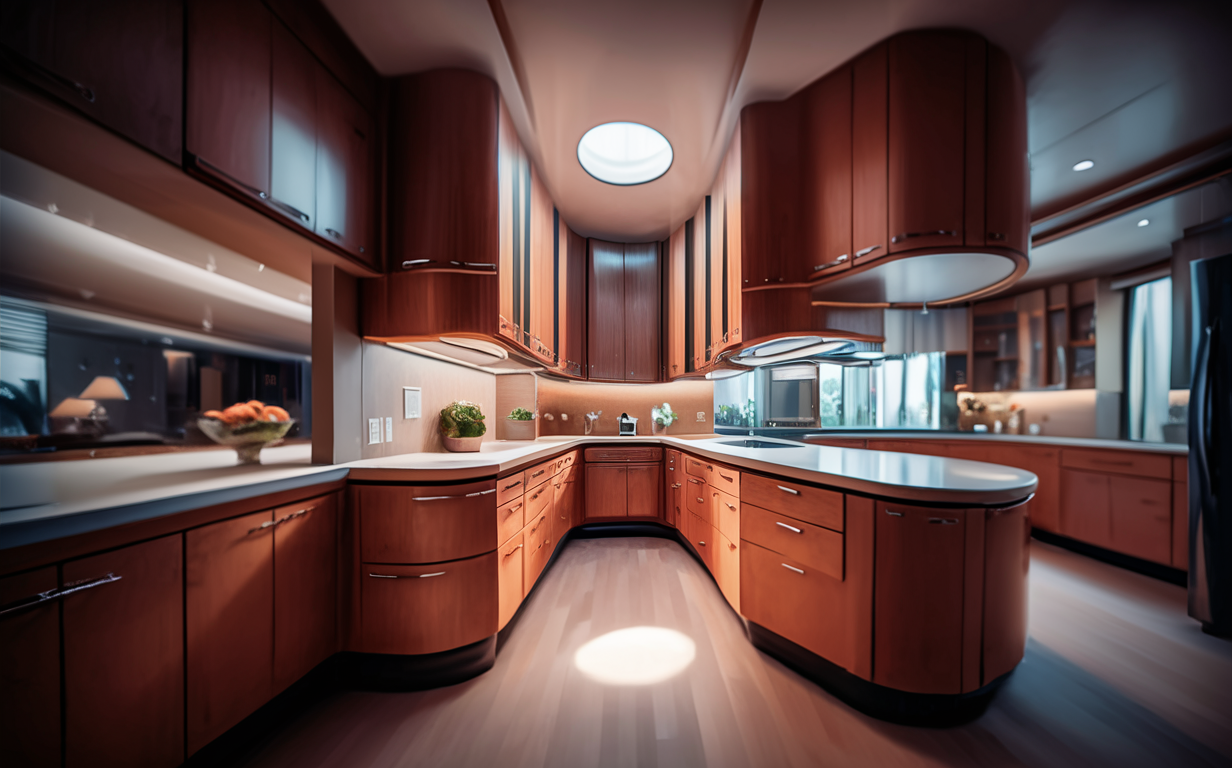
x=520, y=429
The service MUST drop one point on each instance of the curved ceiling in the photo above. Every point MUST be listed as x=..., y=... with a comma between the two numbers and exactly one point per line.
x=1128, y=83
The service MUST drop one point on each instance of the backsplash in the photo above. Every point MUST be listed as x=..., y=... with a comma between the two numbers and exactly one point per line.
x=563, y=405
x=1060, y=413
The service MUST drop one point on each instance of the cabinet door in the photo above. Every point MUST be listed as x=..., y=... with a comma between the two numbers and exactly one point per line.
x=918, y=599
x=641, y=316
x=606, y=348
x=415, y=609
x=124, y=657
x=868, y=156
x=727, y=568
x=305, y=587
x=427, y=524
x=121, y=63
x=562, y=504
x=703, y=537
x=676, y=304
x=927, y=77
x=344, y=175
x=573, y=300
x=543, y=247
x=1007, y=212
x=606, y=490
x=1142, y=518
x=228, y=92
x=672, y=471
x=828, y=119
x=30, y=671
x=293, y=131
x=733, y=239
x=509, y=579
x=229, y=617
x=645, y=493
x=1086, y=512
x=1180, y=512
x=770, y=147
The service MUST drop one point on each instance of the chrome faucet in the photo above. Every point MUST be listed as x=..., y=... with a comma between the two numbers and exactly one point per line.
x=592, y=418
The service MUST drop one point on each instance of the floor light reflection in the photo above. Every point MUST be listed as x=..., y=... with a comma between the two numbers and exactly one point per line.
x=635, y=656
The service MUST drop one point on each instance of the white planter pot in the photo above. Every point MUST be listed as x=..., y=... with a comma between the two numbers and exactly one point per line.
x=519, y=429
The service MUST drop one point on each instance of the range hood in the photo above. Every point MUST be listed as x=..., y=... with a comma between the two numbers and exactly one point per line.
x=933, y=278
x=816, y=348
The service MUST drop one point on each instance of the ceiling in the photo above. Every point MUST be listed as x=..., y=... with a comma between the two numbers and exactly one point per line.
x=1127, y=83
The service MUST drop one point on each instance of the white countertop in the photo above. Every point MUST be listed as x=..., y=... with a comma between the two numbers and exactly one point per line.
x=49, y=500
x=1174, y=449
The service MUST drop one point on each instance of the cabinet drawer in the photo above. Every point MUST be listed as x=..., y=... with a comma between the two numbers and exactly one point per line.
x=791, y=599
x=537, y=501
x=1119, y=462
x=1086, y=506
x=699, y=501
x=426, y=524
x=638, y=454
x=509, y=579
x=538, y=527
x=698, y=468
x=510, y=487
x=411, y=609
x=725, y=479
x=703, y=536
x=727, y=568
x=540, y=473
x=803, y=502
x=726, y=511
x=510, y=518
x=818, y=548
x=538, y=550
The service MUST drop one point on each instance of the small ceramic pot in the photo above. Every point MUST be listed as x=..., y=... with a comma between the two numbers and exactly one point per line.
x=519, y=429
x=462, y=444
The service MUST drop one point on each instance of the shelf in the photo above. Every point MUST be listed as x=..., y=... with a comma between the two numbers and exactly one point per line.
x=1082, y=342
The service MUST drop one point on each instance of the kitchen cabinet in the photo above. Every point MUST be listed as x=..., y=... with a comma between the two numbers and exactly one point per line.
x=624, y=311
x=1180, y=512
x=119, y=63
x=607, y=490
x=344, y=173
x=305, y=587
x=645, y=490
x=828, y=169
x=426, y=524
x=567, y=501
x=509, y=579
x=124, y=656
x=1006, y=206
x=417, y=609
x=293, y=128
x=673, y=483
x=771, y=147
x=30, y=670
x=918, y=599
x=1007, y=559
x=229, y=620
x=1142, y=518
x=228, y=93
x=727, y=568
x=1086, y=512
x=869, y=161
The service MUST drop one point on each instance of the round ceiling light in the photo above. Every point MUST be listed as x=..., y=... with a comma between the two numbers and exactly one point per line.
x=1084, y=165
x=1144, y=222
x=624, y=153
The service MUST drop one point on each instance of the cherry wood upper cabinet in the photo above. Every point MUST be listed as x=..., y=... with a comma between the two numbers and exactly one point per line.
x=869, y=171
x=771, y=148
x=293, y=126
x=571, y=314
x=30, y=671
x=120, y=63
x=607, y=326
x=344, y=155
x=1007, y=209
x=227, y=134
x=828, y=163
x=229, y=619
x=124, y=657
x=926, y=119
x=641, y=326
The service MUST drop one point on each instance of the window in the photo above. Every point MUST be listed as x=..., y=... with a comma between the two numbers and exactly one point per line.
x=1150, y=414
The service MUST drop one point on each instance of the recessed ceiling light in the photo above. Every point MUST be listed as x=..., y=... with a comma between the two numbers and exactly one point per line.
x=1084, y=165
x=1144, y=222
x=624, y=153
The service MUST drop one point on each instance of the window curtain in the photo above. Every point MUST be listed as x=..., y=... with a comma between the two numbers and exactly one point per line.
x=1149, y=360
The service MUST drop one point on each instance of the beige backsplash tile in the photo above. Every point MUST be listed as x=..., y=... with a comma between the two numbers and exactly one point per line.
x=559, y=398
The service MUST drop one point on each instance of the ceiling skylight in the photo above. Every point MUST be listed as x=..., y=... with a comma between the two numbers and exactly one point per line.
x=624, y=153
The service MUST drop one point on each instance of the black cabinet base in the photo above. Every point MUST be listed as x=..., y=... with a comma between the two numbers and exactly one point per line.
x=1128, y=562
x=395, y=672
x=921, y=709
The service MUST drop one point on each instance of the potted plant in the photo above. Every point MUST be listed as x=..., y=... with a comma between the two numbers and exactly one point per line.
x=462, y=426
x=661, y=417
x=520, y=425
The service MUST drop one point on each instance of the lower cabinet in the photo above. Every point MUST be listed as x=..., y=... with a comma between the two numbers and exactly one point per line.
x=918, y=600
x=415, y=609
x=124, y=657
x=305, y=587
x=1180, y=512
x=1132, y=515
x=1086, y=507
x=30, y=671
x=702, y=537
x=607, y=490
x=229, y=618
x=645, y=490
x=509, y=579
x=727, y=568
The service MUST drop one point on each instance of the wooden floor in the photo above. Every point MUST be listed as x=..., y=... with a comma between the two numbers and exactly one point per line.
x=1115, y=674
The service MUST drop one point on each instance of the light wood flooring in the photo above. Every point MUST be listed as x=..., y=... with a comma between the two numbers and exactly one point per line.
x=1115, y=674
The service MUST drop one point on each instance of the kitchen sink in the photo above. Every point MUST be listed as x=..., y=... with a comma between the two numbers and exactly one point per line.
x=757, y=444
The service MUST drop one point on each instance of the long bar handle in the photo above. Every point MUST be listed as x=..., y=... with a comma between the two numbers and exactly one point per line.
x=932, y=233
x=464, y=496
x=214, y=169
x=866, y=251
x=943, y=521
x=288, y=208
x=420, y=576
x=58, y=593
x=894, y=514
x=785, y=489
x=791, y=528
x=792, y=568
x=510, y=552
x=829, y=264
x=263, y=526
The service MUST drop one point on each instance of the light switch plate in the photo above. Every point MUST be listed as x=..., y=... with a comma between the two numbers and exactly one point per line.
x=411, y=399
x=389, y=429
x=374, y=431
x=701, y=415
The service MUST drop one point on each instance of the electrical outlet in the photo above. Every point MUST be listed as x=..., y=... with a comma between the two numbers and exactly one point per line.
x=701, y=415
x=374, y=431
x=389, y=429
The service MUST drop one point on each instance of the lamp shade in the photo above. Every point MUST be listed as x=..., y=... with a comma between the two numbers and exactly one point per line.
x=73, y=407
x=105, y=388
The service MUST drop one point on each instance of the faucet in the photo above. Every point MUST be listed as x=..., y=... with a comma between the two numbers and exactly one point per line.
x=591, y=419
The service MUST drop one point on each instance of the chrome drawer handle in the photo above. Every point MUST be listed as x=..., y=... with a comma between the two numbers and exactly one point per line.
x=943, y=521
x=730, y=505
x=430, y=575
x=512, y=485
x=792, y=491
x=791, y=528
x=792, y=568
x=512, y=510
x=263, y=526
x=700, y=500
x=480, y=493
x=829, y=264
x=58, y=593
x=415, y=262
x=381, y=576
x=702, y=543
x=895, y=514
x=515, y=549
x=420, y=576
x=866, y=251
x=725, y=477
x=695, y=481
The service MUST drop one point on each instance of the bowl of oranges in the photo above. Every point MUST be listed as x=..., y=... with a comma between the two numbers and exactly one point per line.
x=247, y=427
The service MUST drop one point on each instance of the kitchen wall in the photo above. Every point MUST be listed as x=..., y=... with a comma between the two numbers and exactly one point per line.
x=387, y=370
x=560, y=399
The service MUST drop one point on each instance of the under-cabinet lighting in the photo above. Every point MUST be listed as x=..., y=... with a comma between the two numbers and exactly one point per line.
x=1084, y=165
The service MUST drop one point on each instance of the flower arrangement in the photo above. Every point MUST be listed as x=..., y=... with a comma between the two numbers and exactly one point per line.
x=662, y=417
x=462, y=426
x=521, y=414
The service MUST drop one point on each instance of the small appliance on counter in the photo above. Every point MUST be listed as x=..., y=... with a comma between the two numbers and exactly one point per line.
x=628, y=424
